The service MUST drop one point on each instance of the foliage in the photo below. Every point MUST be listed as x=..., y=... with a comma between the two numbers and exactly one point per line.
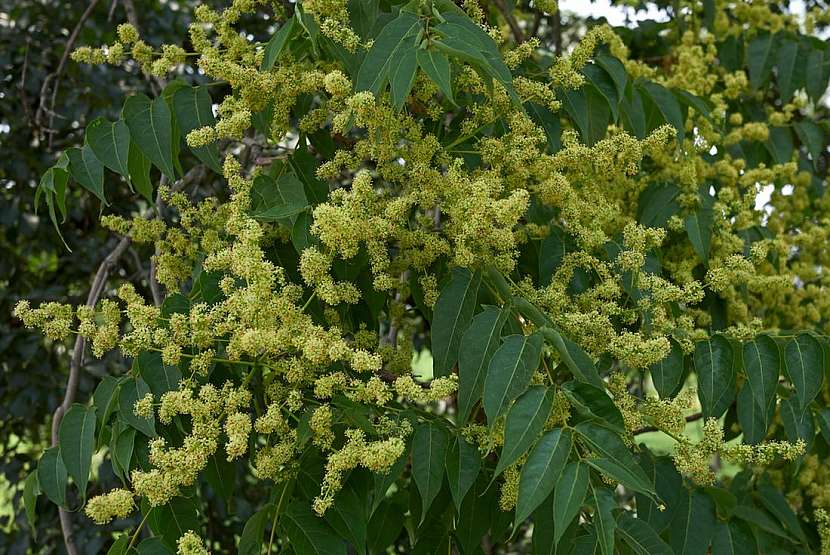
x=573, y=239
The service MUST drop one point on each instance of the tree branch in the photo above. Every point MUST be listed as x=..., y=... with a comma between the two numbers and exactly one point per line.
x=518, y=35
x=647, y=429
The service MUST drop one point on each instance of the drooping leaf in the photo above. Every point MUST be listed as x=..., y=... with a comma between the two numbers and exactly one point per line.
x=193, y=109
x=568, y=496
x=594, y=403
x=604, y=522
x=436, y=65
x=605, y=85
x=693, y=525
x=309, y=534
x=389, y=46
x=250, y=542
x=111, y=144
x=77, y=443
x=589, y=110
x=542, y=470
x=698, y=226
x=429, y=451
x=759, y=58
x=714, y=364
x=476, y=349
x=762, y=365
x=615, y=69
x=154, y=546
x=87, y=170
x=658, y=203
x=734, y=538
x=384, y=527
x=172, y=520
x=641, y=537
x=510, y=371
x=160, y=377
x=402, y=76
x=139, y=168
x=629, y=476
x=452, y=316
x=52, y=476
x=667, y=105
x=121, y=449
x=278, y=42
x=572, y=355
x=463, y=464
x=785, y=69
x=525, y=421
x=151, y=129
x=812, y=137
x=667, y=373
x=804, y=362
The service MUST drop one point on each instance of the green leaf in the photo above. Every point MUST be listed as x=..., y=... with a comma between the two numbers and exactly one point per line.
x=385, y=526
x=463, y=464
x=762, y=366
x=569, y=496
x=273, y=200
x=693, y=525
x=641, y=537
x=160, y=377
x=275, y=46
x=194, y=109
x=476, y=516
x=777, y=504
x=667, y=105
x=31, y=491
x=594, y=403
x=589, y=111
x=608, y=444
x=695, y=102
x=77, y=443
x=131, y=391
x=785, y=65
x=698, y=226
x=151, y=128
x=139, y=167
x=816, y=77
x=525, y=421
x=812, y=137
x=154, y=546
x=388, y=47
x=551, y=124
x=436, y=65
x=714, y=364
x=804, y=362
x=615, y=69
x=304, y=166
x=606, y=87
x=734, y=538
x=604, y=522
x=824, y=423
x=476, y=349
x=402, y=76
x=798, y=423
x=52, y=476
x=667, y=373
x=87, y=170
x=510, y=371
x=111, y=144
x=658, y=203
x=576, y=360
x=119, y=546
x=631, y=477
x=429, y=451
x=250, y=542
x=173, y=520
x=632, y=112
x=121, y=451
x=452, y=316
x=309, y=534
x=105, y=399
x=780, y=144
x=541, y=471
x=759, y=59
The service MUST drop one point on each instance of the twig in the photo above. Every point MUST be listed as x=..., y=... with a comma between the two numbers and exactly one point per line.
x=647, y=429
x=44, y=90
x=112, y=10
x=518, y=35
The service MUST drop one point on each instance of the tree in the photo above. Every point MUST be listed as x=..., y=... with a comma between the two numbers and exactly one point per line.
x=627, y=347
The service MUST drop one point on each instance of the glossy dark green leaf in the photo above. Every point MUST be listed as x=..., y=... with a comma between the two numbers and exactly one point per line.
x=87, y=170
x=780, y=144
x=786, y=58
x=105, y=399
x=667, y=105
x=119, y=546
x=276, y=46
x=171, y=521
x=776, y=503
x=734, y=538
x=812, y=137
x=576, y=360
x=594, y=403
x=429, y=451
x=694, y=102
x=804, y=363
x=309, y=534
x=762, y=366
x=608, y=444
x=154, y=546
x=476, y=349
x=823, y=417
x=550, y=123
x=139, y=167
x=629, y=476
x=250, y=542
x=277, y=199
x=606, y=87
x=759, y=56
x=385, y=526
x=615, y=69
x=476, y=515
x=698, y=226
x=568, y=497
x=525, y=421
x=304, y=166
x=111, y=144
x=798, y=423
x=714, y=364
x=396, y=37
x=77, y=443
x=667, y=373
x=121, y=450
x=589, y=111
x=151, y=128
x=604, y=522
x=640, y=537
x=463, y=464
x=131, y=391
x=194, y=109
x=160, y=377
x=510, y=371
x=52, y=476
x=658, y=203
x=693, y=525
x=436, y=65
x=540, y=473
x=452, y=316
x=816, y=77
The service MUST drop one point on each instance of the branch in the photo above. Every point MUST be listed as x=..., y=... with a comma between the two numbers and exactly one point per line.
x=511, y=21
x=647, y=429
x=56, y=75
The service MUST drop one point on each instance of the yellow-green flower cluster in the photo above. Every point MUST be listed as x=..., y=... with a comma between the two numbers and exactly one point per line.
x=118, y=503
